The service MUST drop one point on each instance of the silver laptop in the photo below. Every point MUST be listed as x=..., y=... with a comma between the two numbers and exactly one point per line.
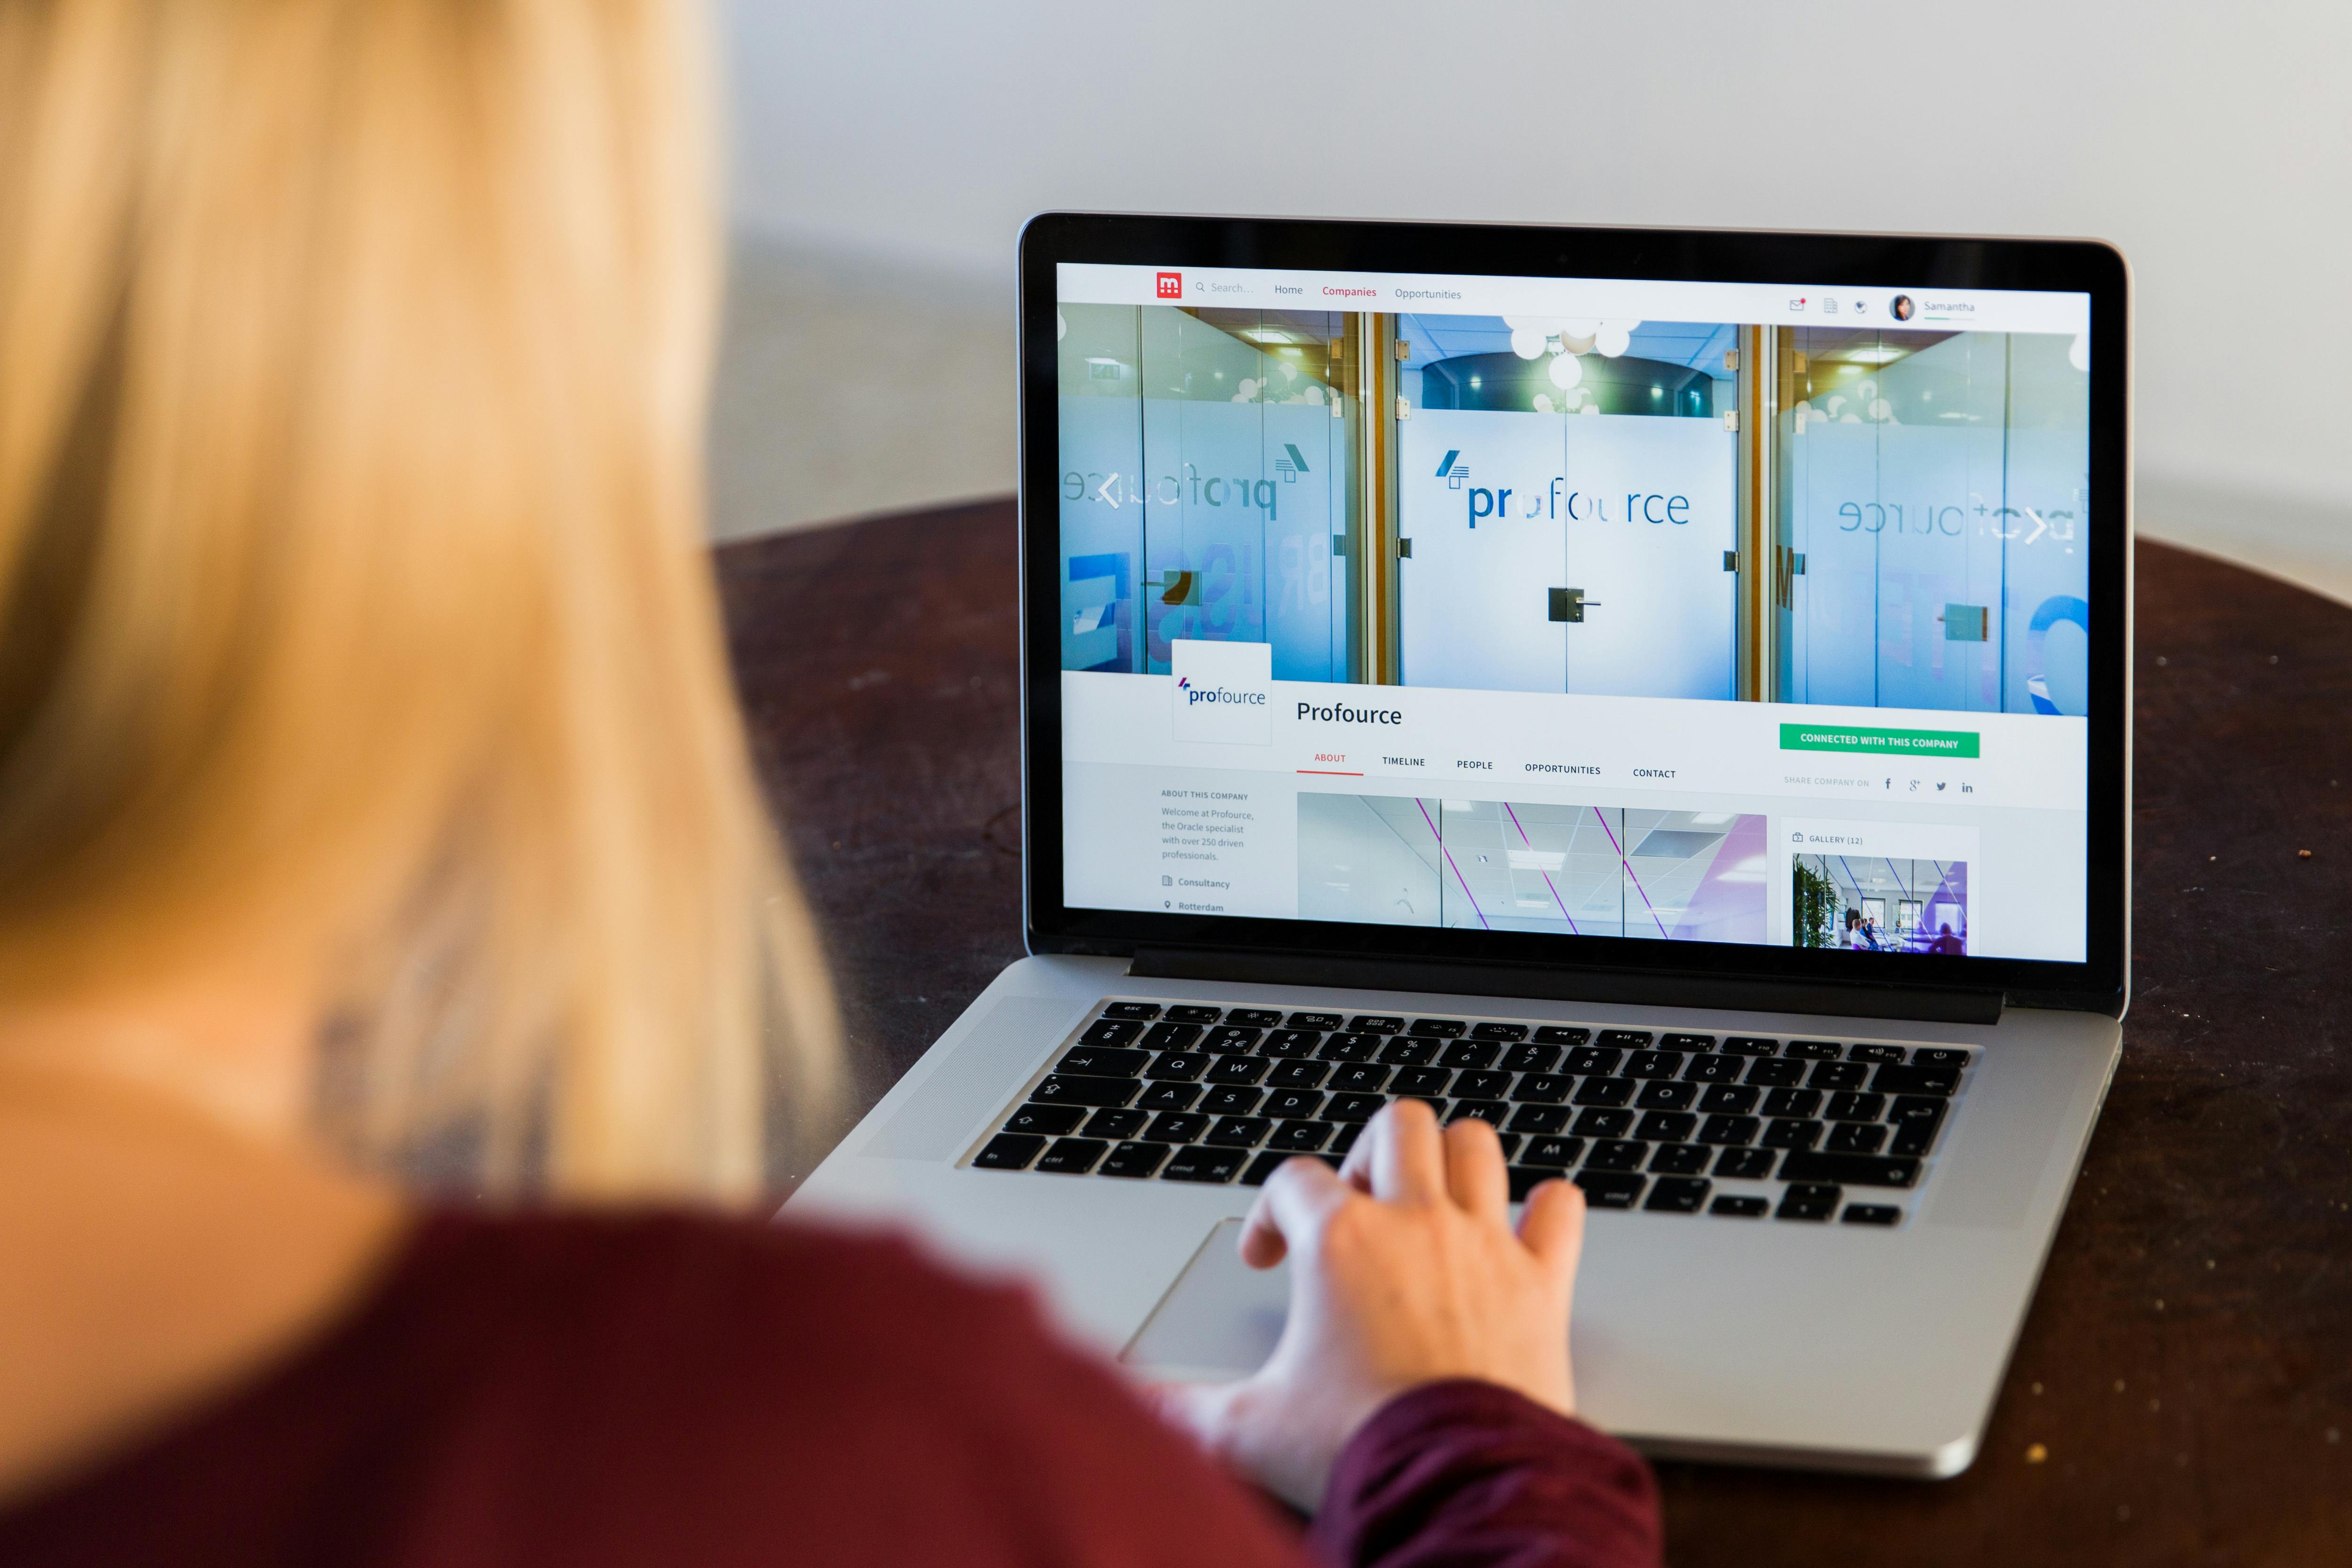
x=1662, y=693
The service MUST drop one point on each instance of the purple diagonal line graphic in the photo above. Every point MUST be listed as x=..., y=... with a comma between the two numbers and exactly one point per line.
x=1449, y=860
x=1602, y=819
x=1564, y=914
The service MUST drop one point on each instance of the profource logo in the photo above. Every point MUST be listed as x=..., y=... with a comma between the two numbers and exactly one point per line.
x=1221, y=691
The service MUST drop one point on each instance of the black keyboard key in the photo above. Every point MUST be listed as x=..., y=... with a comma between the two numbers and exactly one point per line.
x=1292, y=1104
x=1353, y=1107
x=1132, y=1010
x=1678, y=1194
x=1291, y=1042
x=1265, y=1166
x=1787, y=1132
x=1715, y=1067
x=1813, y=1051
x=1654, y=1064
x=1838, y=1075
x=1299, y=1075
x=1939, y=1056
x=1300, y=1137
x=1230, y=1102
x=1169, y=1097
x=1051, y=1120
x=1227, y=1040
x=1481, y=1085
x=1871, y=1214
x=1346, y=1139
x=1490, y=1111
x=1510, y=1141
x=1555, y=1035
x=1073, y=1157
x=1543, y=1088
x=1471, y=1053
x=1110, y=1032
x=1194, y=1014
x=1508, y=1032
x=1253, y=1018
x=1597, y=1122
x=1592, y=1059
x=1072, y=1090
x=1525, y=1180
x=1539, y=1119
x=1661, y=1095
x=1321, y=1022
x=1667, y=1126
x=1855, y=1138
x=1914, y=1120
x=1874, y=1053
x=1793, y=1102
x=1748, y=1045
x=1916, y=1080
x=1102, y=1062
x=1179, y=1066
x=1733, y=1100
x=1009, y=1152
x=1626, y=1038
x=1774, y=1071
x=1170, y=1036
x=1737, y=1207
x=1115, y=1125
x=1610, y=1189
x=1910, y=1108
x=1404, y=1051
x=1744, y=1165
x=1552, y=1154
x=1450, y=1028
x=1913, y=1139
x=1376, y=1023
x=1617, y=1154
x=1604, y=1091
x=1736, y=1131
x=1175, y=1127
x=1134, y=1159
x=1349, y=1046
x=1680, y=1159
x=1361, y=1078
x=1852, y=1170
x=1238, y=1070
x=1530, y=1058
x=1204, y=1164
x=1422, y=1081
x=1809, y=1200
x=1239, y=1131
x=1853, y=1107
x=1686, y=1042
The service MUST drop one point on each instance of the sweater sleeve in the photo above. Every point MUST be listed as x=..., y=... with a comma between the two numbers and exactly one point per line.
x=1465, y=1473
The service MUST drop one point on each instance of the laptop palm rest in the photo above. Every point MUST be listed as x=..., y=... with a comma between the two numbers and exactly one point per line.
x=1219, y=1320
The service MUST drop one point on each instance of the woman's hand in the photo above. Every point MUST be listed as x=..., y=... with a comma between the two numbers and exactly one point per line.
x=1405, y=1270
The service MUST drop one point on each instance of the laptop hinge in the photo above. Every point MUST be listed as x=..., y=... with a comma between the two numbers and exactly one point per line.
x=1920, y=1003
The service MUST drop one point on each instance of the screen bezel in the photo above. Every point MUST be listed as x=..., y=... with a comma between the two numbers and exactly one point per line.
x=2087, y=266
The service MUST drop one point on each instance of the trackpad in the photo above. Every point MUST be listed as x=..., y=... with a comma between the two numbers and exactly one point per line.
x=1219, y=1320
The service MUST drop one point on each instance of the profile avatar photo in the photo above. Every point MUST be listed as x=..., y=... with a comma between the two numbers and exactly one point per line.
x=1900, y=307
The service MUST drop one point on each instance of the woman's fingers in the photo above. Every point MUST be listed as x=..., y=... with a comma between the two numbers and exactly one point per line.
x=1293, y=1200
x=1408, y=1156
x=1473, y=1169
x=1552, y=1225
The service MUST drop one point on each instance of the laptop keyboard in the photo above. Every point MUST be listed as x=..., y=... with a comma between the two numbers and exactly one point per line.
x=1670, y=1123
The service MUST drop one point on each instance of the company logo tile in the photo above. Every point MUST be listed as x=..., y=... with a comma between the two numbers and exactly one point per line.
x=1223, y=692
x=1171, y=286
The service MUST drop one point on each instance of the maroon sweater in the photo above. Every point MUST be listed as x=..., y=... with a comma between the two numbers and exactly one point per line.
x=597, y=1391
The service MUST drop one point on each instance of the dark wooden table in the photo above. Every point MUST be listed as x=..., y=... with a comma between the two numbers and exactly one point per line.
x=2183, y=1389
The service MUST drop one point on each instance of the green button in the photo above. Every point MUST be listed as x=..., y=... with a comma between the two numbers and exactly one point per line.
x=1906, y=742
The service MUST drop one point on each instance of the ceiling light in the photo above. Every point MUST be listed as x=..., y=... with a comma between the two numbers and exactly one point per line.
x=1528, y=342
x=1614, y=339
x=1565, y=372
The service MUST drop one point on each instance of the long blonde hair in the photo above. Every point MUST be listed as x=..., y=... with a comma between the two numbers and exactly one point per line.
x=352, y=367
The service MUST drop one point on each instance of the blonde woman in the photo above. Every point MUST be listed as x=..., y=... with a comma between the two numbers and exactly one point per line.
x=373, y=798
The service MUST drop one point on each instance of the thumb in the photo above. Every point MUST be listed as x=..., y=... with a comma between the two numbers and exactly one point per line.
x=1202, y=1409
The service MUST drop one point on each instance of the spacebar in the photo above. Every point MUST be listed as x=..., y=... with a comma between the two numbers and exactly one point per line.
x=1849, y=1170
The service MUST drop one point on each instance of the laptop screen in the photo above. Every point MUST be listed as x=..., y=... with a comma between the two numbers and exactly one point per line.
x=1640, y=611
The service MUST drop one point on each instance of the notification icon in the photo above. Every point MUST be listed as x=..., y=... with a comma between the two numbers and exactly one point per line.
x=1171, y=286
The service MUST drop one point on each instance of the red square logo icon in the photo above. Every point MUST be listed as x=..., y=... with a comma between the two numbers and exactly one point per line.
x=1171, y=286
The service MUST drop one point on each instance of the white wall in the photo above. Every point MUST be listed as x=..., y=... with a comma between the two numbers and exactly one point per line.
x=2212, y=143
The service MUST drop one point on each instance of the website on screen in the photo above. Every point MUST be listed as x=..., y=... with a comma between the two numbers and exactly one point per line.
x=1680, y=611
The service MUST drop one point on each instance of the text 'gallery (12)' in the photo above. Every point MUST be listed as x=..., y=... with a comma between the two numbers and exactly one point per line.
x=1854, y=514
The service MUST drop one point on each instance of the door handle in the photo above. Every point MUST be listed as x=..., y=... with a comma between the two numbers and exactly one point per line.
x=1570, y=605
